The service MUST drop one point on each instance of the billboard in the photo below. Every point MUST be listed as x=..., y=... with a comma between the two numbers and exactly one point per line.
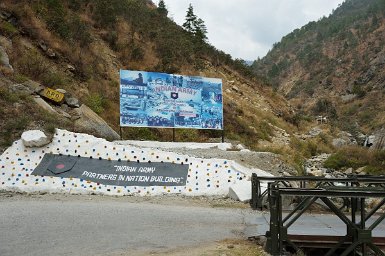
x=150, y=99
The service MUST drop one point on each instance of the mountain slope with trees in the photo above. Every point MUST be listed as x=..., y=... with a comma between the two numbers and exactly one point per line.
x=80, y=45
x=334, y=67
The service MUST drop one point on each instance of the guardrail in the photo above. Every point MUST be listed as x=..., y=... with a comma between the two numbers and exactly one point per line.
x=258, y=196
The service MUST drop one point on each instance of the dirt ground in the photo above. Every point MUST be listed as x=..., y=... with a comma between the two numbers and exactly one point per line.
x=180, y=200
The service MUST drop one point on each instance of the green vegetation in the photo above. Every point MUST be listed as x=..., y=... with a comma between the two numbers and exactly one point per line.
x=96, y=102
x=18, y=112
x=325, y=107
x=195, y=25
x=7, y=29
x=162, y=8
x=67, y=25
x=356, y=157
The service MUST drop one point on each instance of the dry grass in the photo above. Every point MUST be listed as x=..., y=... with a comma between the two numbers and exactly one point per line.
x=228, y=247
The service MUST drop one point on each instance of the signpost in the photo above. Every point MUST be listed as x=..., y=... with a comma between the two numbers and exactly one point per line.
x=53, y=95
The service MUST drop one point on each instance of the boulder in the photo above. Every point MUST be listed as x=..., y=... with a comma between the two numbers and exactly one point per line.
x=338, y=142
x=43, y=46
x=32, y=85
x=61, y=91
x=72, y=102
x=4, y=15
x=50, y=53
x=34, y=138
x=44, y=105
x=315, y=131
x=71, y=68
x=20, y=88
x=314, y=172
x=90, y=122
x=240, y=191
x=343, y=139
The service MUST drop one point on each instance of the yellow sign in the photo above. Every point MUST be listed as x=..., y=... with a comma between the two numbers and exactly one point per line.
x=53, y=95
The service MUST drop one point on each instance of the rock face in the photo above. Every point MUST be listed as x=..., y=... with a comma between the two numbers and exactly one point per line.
x=72, y=102
x=89, y=121
x=376, y=141
x=344, y=139
x=4, y=59
x=34, y=138
x=379, y=141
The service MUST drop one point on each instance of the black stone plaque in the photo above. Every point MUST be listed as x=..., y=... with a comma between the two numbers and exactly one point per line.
x=118, y=173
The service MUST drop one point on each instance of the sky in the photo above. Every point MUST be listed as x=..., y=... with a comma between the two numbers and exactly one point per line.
x=247, y=29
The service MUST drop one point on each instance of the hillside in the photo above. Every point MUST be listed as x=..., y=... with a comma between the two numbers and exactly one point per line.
x=79, y=46
x=334, y=67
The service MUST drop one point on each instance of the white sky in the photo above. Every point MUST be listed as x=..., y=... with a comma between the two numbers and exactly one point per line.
x=247, y=29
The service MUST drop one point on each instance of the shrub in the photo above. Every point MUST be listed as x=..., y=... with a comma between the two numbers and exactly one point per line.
x=355, y=157
x=52, y=79
x=96, y=102
x=7, y=96
x=19, y=78
x=7, y=29
x=33, y=65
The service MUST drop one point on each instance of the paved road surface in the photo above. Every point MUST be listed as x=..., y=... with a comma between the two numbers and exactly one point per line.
x=110, y=227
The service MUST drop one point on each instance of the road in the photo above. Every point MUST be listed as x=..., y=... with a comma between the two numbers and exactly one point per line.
x=84, y=225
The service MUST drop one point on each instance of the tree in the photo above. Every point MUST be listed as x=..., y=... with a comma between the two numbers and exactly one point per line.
x=191, y=20
x=200, y=30
x=162, y=8
x=195, y=25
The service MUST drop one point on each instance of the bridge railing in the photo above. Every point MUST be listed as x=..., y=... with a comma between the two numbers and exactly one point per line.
x=258, y=196
x=359, y=231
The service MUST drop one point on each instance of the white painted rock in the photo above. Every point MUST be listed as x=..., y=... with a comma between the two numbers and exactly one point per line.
x=34, y=138
x=241, y=191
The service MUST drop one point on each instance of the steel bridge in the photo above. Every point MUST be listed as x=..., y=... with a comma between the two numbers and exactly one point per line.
x=358, y=230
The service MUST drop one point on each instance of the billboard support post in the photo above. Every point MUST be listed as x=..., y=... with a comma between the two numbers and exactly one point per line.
x=173, y=134
x=120, y=133
x=223, y=136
